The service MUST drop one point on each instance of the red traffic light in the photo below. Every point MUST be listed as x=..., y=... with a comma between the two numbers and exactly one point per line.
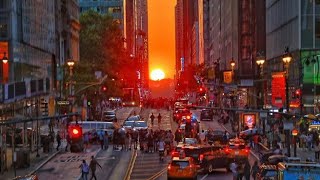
x=298, y=92
x=75, y=131
x=201, y=89
x=104, y=88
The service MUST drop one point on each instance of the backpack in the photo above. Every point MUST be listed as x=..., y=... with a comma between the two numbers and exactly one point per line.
x=85, y=167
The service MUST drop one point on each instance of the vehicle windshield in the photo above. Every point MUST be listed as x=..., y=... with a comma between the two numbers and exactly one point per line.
x=180, y=164
x=133, y=118
x=140, y=124
x=128, y=123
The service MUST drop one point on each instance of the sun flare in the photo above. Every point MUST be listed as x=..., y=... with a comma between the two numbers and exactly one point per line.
x=157, y=74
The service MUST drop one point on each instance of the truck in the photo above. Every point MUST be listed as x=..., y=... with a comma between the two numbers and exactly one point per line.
x=299, y=171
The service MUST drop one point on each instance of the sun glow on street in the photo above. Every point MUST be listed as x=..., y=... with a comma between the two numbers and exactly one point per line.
x=157, y=74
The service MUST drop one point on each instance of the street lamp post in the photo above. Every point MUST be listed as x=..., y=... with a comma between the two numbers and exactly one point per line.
x=71, y=63
x=260, y=61
x=286, y=58
x=233, y=64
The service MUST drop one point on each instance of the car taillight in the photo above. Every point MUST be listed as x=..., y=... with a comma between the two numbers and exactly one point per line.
x=191, y=166
x=169, y=167
x=227, y=150
x=247, y=150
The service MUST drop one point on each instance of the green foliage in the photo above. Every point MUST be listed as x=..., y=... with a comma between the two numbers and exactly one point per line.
x=101, y=49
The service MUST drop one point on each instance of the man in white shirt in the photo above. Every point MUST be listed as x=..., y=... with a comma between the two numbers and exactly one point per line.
x=202, y=136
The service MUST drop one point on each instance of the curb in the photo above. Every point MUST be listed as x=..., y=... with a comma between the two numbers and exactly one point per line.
x=251, y=152
x=43, y=163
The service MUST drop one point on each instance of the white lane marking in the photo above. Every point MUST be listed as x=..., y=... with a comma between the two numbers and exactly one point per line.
x=205, y=176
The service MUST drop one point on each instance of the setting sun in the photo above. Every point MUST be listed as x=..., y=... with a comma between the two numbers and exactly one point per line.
x=157, y=74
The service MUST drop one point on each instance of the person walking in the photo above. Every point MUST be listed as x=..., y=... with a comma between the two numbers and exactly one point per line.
x=317, y=152
x=202, y=136
x=58, y=138
x=84, y=170
x=68, y=139
x=152, y=119
x=101, y=139
x=93, y=167
x=240, y=169
x=106, y=141
x=233, y=168
x=159, y=119
x=247, y=169
x=255, y=170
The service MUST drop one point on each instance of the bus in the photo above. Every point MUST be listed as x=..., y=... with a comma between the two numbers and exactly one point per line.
x=98, y=126
x=130, y=97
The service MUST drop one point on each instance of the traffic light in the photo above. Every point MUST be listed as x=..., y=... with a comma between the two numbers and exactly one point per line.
x=75, y=131
x=88, y=103
x=202, y=91
x=188, y=124
x=104, y=88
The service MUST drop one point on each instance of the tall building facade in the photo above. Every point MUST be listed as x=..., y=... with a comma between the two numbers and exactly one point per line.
x=136, y=28
x=29, y=41
x=294, y=24
x=235, y=34
x=114, y=8
x=179, y=36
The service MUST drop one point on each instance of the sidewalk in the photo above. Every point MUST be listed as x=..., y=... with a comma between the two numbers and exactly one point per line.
x=35, y=163
x=302, y=153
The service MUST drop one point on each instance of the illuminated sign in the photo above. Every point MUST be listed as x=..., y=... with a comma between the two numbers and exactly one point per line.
x=249, y=120
x=278, y=89
x=227, y=77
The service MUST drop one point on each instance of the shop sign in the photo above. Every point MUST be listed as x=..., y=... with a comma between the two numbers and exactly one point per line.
x=227, y=77
x=63, y=102
x=278, y=89
x=249, y=120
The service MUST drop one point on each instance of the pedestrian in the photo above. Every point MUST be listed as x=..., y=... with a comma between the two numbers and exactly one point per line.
x=247, y=169
x=152, y=119
x=317, y=151
x=106, y=141
x=159, y=119
x=202, y=136
x=255, y=170
x=233, y=168
x=58, y=138
x=93, y=167
x=240, y=169
x=101, y=139
x=86, y=140
x=84, y=170
x=68, y=142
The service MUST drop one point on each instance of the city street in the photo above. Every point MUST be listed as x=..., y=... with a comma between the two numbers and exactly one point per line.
x=65, y=165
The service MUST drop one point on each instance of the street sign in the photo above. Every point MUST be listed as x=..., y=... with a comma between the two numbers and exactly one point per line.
x=63, y=102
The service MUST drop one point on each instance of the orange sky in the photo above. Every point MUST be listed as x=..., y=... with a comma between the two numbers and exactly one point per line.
x=161, y=36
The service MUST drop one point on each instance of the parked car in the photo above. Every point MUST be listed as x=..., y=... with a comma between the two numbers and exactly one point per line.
x=109, y=116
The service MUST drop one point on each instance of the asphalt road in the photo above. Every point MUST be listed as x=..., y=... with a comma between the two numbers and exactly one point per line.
x=65, y=165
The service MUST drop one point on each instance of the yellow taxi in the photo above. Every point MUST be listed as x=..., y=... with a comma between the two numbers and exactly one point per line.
x=237, y=148
x=182, y=167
